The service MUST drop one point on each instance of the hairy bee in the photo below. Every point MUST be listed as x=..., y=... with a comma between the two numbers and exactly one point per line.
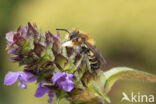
x=83, y=44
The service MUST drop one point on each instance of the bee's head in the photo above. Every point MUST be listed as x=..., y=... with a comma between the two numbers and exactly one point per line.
x=73, y=35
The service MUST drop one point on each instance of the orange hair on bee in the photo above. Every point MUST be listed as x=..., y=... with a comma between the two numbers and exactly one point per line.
x=88, y=38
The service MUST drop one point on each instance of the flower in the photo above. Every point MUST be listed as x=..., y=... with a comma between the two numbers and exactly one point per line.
x=46, y=62
x=41, y=90
x=23, y=76
x=10, y=37
x=63, y=80
x=51, y=95
x=14, y=51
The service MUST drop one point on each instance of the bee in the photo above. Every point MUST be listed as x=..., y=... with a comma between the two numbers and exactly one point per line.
x=83, y=44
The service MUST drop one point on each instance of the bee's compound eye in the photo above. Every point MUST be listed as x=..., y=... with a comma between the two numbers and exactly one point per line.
x=71, y=35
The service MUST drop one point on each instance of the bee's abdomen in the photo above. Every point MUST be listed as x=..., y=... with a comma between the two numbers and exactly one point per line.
x=94, y=63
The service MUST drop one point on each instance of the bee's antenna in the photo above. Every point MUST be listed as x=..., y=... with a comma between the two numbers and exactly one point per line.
x=64, y=30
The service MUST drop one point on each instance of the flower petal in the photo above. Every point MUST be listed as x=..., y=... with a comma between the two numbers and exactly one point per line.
x=15, y=51
x=26, y=77
x=67, y=85
x=10, y=36
x=51, y=95
x=69, y=76
x=22, y=85
x=41, y=91
x=11, y=78
x=64, y=81
x=57, y=76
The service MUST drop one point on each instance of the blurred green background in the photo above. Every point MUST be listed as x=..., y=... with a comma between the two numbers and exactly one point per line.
x=124, y=31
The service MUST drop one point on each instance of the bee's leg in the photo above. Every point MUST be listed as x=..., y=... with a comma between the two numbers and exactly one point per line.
x=72, y=56
x=79, y=63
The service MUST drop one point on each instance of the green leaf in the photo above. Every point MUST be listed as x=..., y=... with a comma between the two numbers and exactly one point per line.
x=117, y=73
x=47, y=53
x=60, y=95
x=69, y=67
x=29, y=44
x=96, y=89
x=60, y=61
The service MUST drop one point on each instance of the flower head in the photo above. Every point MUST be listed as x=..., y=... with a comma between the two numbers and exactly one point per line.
x=45, y=60
x=64, y=81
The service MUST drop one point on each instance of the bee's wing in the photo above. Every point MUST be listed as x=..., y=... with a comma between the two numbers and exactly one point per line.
x=97, y=54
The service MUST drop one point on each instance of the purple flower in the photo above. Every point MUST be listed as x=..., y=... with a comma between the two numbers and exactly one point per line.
x=23, y=76
x=51, y=95
x=15, y=51
x=41, y=90
x=10, y=36
x=64, y=81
